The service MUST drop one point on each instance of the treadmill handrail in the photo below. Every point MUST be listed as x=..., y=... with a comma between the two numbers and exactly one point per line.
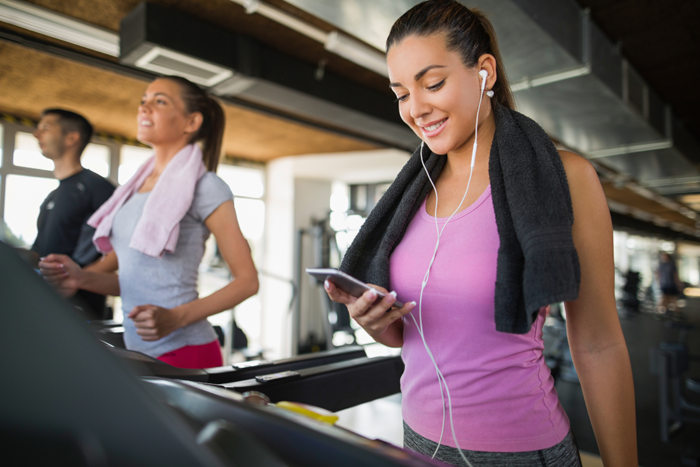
x=304, y=373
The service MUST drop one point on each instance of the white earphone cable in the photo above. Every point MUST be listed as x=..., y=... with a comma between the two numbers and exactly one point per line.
x=419, y=323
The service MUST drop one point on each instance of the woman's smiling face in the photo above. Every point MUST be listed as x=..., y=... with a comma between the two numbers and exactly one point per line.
x=438, y=96
x=162, y=117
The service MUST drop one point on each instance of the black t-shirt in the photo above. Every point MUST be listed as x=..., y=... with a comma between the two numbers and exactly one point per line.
x=62, y=223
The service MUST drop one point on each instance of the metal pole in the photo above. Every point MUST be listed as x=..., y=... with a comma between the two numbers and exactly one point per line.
x=296, y=310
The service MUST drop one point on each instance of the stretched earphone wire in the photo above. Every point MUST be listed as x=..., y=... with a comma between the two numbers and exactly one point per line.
x=441, y=378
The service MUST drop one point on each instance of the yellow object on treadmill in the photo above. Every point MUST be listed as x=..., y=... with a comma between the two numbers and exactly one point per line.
x=317, y=413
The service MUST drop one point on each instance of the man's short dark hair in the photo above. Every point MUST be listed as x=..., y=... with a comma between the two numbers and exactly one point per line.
x=71, y=121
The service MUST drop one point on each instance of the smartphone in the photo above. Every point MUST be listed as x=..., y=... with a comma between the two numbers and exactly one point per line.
x=345, y=282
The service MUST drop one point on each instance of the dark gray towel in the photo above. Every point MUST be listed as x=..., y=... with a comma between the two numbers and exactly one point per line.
x=537, y=261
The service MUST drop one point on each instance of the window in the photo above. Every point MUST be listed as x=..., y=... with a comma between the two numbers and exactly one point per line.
x=244, y=181
x=96, y=158
x=23, y=197
x=131, y=159
x=28, y=154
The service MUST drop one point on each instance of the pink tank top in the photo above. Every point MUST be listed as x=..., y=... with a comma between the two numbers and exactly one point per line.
x=503, y=396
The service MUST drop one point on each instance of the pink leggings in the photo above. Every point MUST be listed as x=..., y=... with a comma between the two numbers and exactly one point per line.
x=195, y=356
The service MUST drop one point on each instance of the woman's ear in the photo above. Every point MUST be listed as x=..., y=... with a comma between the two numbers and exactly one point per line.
x=194, y=122
x=488, y=62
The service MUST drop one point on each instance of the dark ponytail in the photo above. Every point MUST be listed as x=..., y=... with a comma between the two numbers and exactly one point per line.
x=211, y=132
x=467, y=32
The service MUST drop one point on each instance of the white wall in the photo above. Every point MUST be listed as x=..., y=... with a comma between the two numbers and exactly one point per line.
x=277, y=244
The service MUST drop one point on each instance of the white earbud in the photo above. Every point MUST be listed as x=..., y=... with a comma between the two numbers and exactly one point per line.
x=484, y=74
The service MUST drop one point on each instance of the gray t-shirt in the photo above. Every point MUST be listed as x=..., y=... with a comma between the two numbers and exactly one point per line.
x=169, y=281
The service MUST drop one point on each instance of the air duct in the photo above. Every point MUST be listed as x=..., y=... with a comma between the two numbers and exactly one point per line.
x=573, y=80
x=235, y=65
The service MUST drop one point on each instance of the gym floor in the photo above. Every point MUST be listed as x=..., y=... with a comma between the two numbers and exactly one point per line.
x=382, y=419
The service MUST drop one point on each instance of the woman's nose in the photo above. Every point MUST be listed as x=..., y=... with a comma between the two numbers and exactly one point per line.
x=418, y=107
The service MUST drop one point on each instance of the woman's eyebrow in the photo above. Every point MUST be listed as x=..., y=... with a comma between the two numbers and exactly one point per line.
x=157, y=94
x=418, y=75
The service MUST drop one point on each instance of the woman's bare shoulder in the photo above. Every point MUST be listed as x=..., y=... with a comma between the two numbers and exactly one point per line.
x=580, y=173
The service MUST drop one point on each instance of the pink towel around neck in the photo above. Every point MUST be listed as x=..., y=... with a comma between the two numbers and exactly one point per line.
x=158, y=229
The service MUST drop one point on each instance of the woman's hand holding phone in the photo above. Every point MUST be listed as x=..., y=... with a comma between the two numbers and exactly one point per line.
x=378, y=318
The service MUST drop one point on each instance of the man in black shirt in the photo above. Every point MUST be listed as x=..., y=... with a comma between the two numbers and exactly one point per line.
x=62, y=223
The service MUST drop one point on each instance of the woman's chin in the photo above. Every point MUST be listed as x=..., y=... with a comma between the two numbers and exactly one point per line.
x=437, y=148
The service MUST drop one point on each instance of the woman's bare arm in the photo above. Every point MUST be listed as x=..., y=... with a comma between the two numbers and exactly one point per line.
x=597, y=344
x=67, y=276
x=106, y=263
x=153, y=322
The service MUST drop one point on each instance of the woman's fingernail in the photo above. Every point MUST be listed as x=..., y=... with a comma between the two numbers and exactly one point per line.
x=393, y=293
x=326, y=284
x=413, y=303
x=372, y=293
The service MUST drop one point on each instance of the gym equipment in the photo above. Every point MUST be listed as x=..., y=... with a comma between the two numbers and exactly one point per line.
x=143, y=365
x=670, y=361
x=86, y=407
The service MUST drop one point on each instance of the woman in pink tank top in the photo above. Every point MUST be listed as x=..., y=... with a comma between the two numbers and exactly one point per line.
x=477, y=235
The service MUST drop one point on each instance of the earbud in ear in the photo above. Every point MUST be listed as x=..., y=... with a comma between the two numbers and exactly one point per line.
x=484, y=74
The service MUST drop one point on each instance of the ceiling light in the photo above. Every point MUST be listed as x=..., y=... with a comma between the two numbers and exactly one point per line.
x=630, y=149
x=549, y=78
x=340, y=44
x=292, y=22
x=51, y=24
x=357, y=52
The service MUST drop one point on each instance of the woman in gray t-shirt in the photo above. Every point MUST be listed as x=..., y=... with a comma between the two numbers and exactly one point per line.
x=171, y=209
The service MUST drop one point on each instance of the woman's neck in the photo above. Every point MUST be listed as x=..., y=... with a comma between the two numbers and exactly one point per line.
x=164, y=154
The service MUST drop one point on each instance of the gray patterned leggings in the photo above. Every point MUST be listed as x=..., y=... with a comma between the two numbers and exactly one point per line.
x=564, y=454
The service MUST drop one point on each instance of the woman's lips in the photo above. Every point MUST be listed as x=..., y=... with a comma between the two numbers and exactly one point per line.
x=433, y=129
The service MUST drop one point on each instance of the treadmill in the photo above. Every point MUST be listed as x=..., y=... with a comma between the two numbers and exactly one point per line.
x=334, y=380
x=68, y=397
x=144, y=365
